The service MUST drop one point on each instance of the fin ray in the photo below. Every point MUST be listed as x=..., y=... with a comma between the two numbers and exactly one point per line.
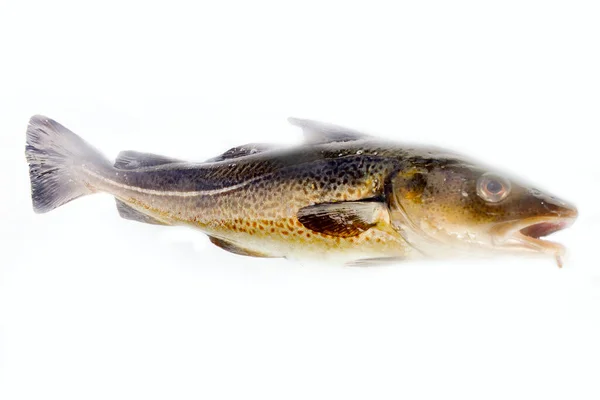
x=375, y=262
x=344, y=219
x=317, y=132
x=130, y=159
x=55, y=156
x=235, y=249
x=242, y=151
x=130, y=213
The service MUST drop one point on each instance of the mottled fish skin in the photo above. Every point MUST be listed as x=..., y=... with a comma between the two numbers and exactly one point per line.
x=340, y=196
x=253, y=201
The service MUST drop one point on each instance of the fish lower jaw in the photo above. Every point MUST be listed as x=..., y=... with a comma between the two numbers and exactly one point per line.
x=526, y=235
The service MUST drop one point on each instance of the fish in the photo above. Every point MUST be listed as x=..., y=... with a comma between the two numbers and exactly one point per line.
x=340, y=196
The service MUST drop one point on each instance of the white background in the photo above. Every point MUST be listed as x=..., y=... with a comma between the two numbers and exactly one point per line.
x=96, y=307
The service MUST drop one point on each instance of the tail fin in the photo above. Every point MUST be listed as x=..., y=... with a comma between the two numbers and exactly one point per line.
x=55, y=156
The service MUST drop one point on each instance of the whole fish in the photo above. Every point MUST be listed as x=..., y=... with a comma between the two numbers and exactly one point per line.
x=341, y=195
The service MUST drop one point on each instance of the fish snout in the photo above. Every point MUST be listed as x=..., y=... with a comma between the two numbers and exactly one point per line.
x=556, y=207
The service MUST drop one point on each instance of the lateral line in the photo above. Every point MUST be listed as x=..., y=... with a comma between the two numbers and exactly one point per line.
x=166, y=193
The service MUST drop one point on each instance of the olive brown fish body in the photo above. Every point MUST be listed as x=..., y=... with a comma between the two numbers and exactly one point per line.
x=341, y=196
x=253, y=202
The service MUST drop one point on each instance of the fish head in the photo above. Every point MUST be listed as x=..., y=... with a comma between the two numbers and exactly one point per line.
x=465, y=206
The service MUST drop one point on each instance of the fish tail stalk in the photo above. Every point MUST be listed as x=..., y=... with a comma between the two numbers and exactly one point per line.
x=57, y=161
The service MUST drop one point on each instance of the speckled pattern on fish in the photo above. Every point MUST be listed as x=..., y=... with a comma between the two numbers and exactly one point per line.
x=339, y=196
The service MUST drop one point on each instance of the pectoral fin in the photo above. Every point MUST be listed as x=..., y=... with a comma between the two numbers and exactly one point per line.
x=344, y=219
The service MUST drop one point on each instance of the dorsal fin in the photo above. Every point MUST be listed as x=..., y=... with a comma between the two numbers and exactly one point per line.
x=241, y=151
x=133, y=159
x=316, y=132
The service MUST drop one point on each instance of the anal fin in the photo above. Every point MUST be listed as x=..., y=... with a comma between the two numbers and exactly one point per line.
x=232, y=248
x=128, y=212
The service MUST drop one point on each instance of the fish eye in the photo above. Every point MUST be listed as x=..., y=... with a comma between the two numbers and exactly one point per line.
x=493, y=188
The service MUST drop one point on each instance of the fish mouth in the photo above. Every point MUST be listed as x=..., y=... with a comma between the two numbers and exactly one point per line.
x=527, y=234
x=542, y=229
